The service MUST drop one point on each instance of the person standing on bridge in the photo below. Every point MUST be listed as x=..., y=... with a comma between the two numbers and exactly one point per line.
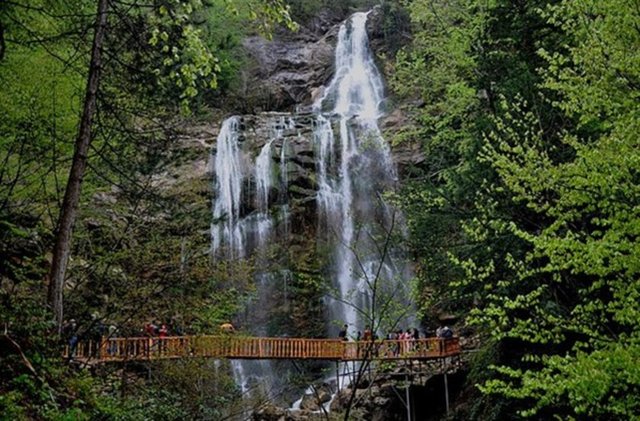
x=367, y=334
x=149, y=332
x=443, y=333
x=112, y=347
x=447, y=332
x=415, y=337
x=343, y=333
x=70, y=333
x=163, y=332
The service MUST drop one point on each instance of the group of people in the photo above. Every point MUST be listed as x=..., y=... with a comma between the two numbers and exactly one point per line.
x=403, y=341
x=399, y=334
x=403, y=336
x=156, y=329
x=94, y=331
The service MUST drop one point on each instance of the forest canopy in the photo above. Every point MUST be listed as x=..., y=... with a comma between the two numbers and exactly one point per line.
x=523, y=217
x=530, y=115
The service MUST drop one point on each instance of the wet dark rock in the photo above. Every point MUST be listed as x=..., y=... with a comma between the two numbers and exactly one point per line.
x=287, y=71
x=270, y=413
x=313, y=401
x=301, y=191
x=341, y=400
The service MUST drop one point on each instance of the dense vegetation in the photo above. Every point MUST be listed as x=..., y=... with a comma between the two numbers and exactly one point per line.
x=136, y=249
x=524, y=216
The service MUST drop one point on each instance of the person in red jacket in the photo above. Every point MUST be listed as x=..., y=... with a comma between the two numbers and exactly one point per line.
x=163, y=332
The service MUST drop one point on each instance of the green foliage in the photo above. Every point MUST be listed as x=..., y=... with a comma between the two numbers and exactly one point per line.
x=303, y=312
x=140, y=249
x=39, y=107
x=586, y=249
x=190, y=55
x=185, y=61
x=10, y=407
x=447, y=69
x=34, y=382
x=528, y=207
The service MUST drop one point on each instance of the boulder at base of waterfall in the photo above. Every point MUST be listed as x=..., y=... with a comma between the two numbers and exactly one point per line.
x=341, y=400
x=269, y=413
x=313, y=401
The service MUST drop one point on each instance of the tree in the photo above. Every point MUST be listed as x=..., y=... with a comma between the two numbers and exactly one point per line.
x=44, y=76
x=522, y=208
x=78, y=166
x=386, y=305
x=574, y=303
x=465, y=55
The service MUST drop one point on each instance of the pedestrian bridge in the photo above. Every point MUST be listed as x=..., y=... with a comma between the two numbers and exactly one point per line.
x=241, y=347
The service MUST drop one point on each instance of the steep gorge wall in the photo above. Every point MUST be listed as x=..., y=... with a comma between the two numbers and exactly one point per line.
x=289, y=74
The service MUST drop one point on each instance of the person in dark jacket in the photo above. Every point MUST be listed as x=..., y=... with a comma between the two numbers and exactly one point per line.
x=343, y=333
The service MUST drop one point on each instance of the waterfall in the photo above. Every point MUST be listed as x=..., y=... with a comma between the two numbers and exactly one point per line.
x=263, y=177
x=234, y=235
x=263, y=187
x=353, y=168
x=284, y=186
x=349, y=193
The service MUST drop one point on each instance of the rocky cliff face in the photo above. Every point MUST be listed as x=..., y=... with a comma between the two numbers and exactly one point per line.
x=290, y=70
x=288, y=76
x=292, y=159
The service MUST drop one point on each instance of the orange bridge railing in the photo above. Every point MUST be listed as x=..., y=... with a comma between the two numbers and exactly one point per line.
x=238, y=347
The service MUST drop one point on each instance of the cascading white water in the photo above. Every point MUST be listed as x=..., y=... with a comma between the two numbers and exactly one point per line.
x=347, y=192
x=284, y=184
x=353, y=168
x=236, y=234
x=225, y=229
x=263, y=186
x=263, y=177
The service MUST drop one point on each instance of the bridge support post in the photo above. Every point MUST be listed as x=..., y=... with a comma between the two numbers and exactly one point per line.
x=408, y=392
x=446, y=392
x=102, y=347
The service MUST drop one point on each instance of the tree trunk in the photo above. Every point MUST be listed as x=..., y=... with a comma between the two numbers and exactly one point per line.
x=76, y=174
x=2, y=42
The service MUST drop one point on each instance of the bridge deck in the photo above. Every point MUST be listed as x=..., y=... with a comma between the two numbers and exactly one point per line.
x=239, y=347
